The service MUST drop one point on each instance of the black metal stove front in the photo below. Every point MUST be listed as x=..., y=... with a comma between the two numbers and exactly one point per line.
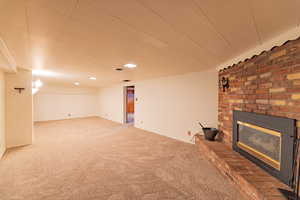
x=267, y=141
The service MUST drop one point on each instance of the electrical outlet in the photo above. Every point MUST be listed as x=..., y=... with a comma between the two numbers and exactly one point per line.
x=189, y=133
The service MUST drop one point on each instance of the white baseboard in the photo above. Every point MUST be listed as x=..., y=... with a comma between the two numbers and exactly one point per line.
x=58, y=119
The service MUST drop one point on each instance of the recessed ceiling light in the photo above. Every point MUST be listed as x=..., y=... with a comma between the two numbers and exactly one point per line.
x=126, y=80
x=76, y=83
x=92, y=78
x=130, y=65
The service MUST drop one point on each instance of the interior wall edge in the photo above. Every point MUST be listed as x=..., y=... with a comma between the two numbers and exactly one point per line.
x=291, y=34
x=2, y=115
x=19, y=116
x=5, y=54
x=2, y=151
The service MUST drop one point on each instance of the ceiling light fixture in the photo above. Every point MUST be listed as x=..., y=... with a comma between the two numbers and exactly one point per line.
x=35, y=90
x=77, y=83
x=92, y=78
x=39, y=72
x=36, y=86
x=130, y=65
x=38, y=83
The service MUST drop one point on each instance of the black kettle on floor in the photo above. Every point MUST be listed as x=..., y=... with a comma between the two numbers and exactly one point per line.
x=209, y=133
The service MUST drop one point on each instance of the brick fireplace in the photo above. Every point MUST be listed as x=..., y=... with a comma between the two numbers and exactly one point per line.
x=266, y=85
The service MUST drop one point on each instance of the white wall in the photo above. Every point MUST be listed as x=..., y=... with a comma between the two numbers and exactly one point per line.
x=2, y=114
x=170, y=106
x=55, y=102
x=111, y=103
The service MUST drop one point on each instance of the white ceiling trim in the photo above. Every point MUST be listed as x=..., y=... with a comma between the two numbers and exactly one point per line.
x=7, y=56
x=291, y=34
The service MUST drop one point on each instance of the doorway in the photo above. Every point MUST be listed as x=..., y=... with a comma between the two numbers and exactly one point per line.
x=129, y=102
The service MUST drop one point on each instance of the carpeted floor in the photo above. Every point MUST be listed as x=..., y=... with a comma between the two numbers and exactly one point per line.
x=92, y=158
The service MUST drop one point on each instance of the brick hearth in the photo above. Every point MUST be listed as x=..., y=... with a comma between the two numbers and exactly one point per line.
x=255, y=183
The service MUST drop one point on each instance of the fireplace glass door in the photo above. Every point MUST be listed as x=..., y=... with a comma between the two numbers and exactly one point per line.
x=265, y=144
x=268, y=141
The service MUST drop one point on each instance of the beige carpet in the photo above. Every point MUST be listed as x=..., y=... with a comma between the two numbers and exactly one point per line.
x=92, y=158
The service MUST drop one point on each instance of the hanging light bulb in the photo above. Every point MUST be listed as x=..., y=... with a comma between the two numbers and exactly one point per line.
x=34, y=90
x=36, y=86
x=38, y=83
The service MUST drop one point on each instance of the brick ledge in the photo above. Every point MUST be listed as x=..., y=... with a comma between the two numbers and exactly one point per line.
x=254, y=183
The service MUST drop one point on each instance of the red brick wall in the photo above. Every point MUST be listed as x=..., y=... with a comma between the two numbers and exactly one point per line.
x=268, y=83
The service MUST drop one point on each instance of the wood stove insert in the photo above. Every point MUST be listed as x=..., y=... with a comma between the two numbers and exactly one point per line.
x=267, y=141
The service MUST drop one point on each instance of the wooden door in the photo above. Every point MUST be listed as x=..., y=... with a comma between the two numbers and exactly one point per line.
x=130, y=100
x=130, y=104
